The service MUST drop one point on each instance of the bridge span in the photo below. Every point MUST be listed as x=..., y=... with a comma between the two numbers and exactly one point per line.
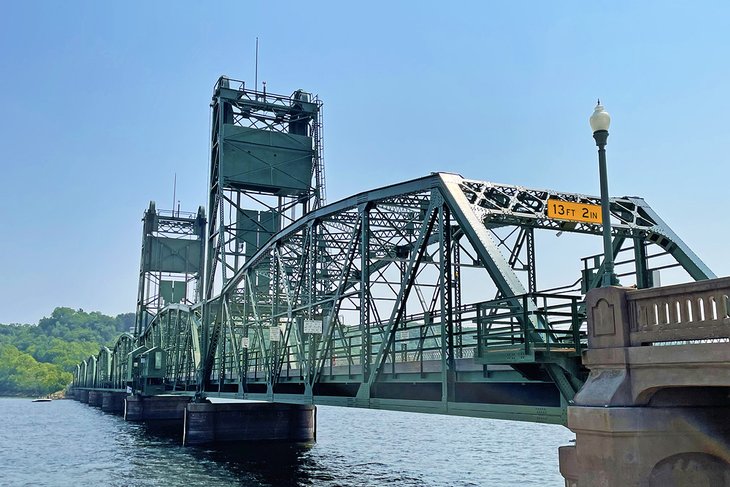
x=313, y=318
x=421, y=296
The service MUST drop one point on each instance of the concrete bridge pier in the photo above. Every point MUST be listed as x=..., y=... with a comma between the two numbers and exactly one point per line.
x=155, y=408
x=663, y=447
x=83, y=395
x=654, y=409
x=113, y=402
x=207, y=422
x=95, y=398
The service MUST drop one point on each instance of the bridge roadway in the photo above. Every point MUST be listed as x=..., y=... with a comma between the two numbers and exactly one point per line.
x=423, y=297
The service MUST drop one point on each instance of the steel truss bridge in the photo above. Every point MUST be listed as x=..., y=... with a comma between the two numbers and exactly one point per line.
x=362, y=303
x=420, y=296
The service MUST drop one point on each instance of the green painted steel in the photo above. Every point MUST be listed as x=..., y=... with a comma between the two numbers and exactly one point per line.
x=264, y=160
x=290, y=321
x=171, y=268
x=419, y=296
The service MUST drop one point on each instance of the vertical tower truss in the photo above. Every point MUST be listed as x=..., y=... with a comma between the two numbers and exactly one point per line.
x=171, y=267
x=266, y=171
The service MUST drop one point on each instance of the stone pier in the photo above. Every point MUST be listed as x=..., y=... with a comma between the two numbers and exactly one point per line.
x=207, y=423
x=95, y=398
x=155, y=408
x=654, y=409
x=113, y=402
x=83, y=395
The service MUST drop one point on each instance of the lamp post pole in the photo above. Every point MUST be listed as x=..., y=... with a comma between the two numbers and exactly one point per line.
x=600, y=121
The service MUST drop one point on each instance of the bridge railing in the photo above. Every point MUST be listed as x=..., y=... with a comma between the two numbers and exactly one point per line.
x=680, y=313
x=497, y=331
x=417, y=339
x=514, y=329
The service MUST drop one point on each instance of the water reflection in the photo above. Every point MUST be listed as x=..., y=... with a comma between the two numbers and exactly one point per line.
x=80, y=445
x=270, y=463
x=263, y=463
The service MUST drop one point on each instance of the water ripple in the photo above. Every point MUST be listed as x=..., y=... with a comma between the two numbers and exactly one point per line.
x=68, y=443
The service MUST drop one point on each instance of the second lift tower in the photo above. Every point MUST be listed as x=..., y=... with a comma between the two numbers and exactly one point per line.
x=266, y=170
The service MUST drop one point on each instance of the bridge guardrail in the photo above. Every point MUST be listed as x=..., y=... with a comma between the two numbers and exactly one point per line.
x=513, y=333
x=694, y=311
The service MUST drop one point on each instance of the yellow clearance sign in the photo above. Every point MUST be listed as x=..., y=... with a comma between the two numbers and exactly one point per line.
x=577, y=212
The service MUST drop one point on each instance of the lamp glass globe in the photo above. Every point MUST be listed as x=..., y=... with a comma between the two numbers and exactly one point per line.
x=600, y=120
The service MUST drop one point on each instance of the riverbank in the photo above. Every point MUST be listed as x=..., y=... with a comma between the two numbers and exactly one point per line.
x=29, y=395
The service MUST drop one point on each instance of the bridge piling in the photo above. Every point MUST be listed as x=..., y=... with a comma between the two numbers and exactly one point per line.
x=113, y=402
x=83, y=395
x=653, y=410
x=155, y=408
x=207, y=423
x=95, y=398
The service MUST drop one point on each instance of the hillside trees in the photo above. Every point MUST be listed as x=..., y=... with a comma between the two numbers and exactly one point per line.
x=34, y=358
x=22, y=374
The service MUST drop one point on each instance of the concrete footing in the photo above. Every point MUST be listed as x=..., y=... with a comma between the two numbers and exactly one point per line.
x=653, y=410
x=113, y=402
x=644, y=446
x=250, y=421
x=82, y=395
x=155, y=408
x=95, y=398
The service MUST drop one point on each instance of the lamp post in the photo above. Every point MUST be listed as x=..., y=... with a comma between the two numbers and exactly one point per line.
x=600, y=121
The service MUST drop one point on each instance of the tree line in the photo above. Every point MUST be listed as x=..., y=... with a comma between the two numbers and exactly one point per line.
x=38, y=359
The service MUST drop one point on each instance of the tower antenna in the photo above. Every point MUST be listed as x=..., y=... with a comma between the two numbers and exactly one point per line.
x=256, y=67
x=174, y=193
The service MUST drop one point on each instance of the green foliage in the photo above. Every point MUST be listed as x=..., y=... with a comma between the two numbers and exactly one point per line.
x=78, y=325
x=22, y=374
x=34, y=358
x=63, y=353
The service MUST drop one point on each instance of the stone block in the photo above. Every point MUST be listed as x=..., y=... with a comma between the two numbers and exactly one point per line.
x=207, y=423
x=154, y=408
x=608, y=319
x=113, y=402
x=95, y=398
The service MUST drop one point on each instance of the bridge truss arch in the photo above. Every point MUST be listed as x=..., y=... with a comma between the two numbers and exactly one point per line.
x=104, y=368
x=176, y=331
x=419, y=296
x=119, y=360
x=424, y=293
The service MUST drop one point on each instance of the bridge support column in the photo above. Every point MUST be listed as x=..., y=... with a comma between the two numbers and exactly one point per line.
x=83, y=395
x=113, y=402
x=653, y=411
x=155, y=408
x=95, y=398
x=641, y=446
x=250, y=421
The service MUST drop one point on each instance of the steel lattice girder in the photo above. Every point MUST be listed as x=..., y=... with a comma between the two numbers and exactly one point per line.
x=175, y=330
x=379, y=270
x=318, y=267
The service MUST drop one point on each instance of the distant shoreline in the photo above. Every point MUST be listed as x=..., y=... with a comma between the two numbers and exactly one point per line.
x=27, y=395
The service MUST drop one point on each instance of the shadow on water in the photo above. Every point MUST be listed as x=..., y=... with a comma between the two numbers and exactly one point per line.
x=274, y=463
x=268, y=462
x=164, y=430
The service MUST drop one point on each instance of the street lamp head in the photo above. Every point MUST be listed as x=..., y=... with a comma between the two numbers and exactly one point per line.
x=600, y=120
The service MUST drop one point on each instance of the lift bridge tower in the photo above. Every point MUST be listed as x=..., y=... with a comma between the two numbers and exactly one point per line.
x=171, y=267
x=266, y=171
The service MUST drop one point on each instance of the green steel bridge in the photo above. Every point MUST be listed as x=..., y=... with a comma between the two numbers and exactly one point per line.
x=419, y=296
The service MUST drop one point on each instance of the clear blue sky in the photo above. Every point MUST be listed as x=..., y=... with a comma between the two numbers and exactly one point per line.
x=101, y=103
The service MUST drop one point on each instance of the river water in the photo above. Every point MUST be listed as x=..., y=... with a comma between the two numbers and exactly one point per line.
x=69, y=443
